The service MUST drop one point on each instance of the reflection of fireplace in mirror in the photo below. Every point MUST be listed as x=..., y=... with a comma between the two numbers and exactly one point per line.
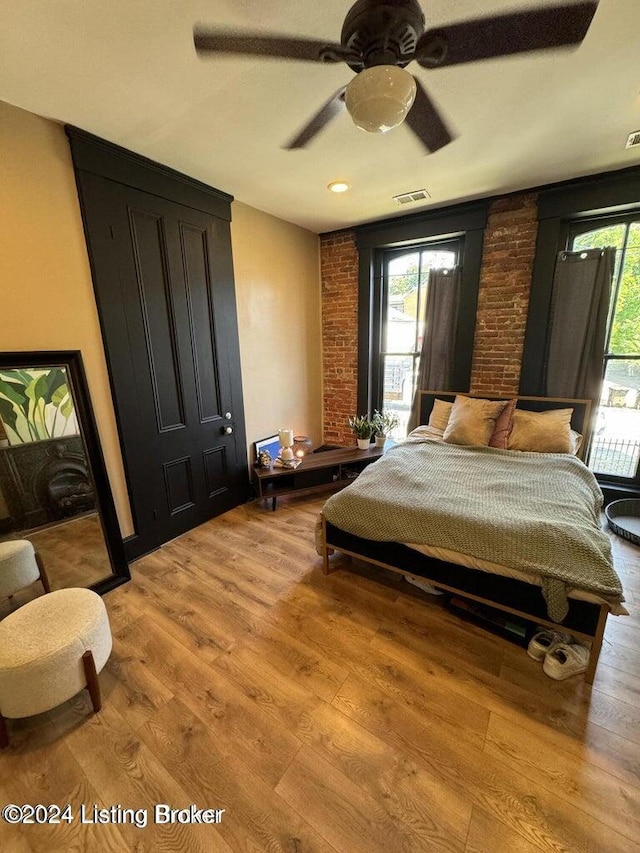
x=63, y=484
x=48, y=497
x=46, y=481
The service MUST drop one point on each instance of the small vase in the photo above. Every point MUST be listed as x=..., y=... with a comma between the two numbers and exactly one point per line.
x=380, y=440
x=363, y=443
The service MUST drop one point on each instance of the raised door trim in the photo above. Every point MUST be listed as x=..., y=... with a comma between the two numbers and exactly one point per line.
x=100, y=157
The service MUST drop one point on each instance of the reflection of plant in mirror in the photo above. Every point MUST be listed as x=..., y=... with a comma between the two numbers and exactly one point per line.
x=36, y=404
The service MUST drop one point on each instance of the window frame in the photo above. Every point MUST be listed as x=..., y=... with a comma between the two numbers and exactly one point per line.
x=379, y=318
x=572, y=228
x=465, y=222
x=604, y=195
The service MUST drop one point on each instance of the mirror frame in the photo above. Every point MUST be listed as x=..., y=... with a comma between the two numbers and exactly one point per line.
x=71, y=360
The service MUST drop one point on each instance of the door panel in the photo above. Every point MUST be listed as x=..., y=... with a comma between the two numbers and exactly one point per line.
x=153, y=284
x=201, y=313
x=165, y=293
x=179, y=485
x=215, y=468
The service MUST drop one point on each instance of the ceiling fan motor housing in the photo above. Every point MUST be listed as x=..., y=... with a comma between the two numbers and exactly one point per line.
x=382, y=32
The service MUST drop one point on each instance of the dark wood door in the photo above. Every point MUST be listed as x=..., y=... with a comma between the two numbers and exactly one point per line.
x=164, y=282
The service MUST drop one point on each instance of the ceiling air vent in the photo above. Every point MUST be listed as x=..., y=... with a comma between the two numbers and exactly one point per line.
x=407, y=198
x=633, y=140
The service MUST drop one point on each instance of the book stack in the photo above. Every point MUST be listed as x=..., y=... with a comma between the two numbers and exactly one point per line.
x=286, y=463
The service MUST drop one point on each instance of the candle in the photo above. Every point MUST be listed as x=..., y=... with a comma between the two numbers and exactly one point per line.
x=285, y=437
x=301, y=445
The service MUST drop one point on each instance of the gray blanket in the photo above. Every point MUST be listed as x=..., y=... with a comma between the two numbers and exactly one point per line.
x=538, y=513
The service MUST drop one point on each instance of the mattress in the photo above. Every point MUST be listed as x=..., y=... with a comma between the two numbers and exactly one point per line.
x=447, y=556
x=530, y=516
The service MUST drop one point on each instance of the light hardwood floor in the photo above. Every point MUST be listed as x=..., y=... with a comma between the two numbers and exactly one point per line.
x=334, y=713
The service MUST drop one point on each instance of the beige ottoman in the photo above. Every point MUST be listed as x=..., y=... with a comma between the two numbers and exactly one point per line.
x=50, y=649
x=20, y=565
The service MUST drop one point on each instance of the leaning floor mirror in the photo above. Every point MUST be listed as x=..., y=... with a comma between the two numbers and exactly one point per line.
x=54, y=489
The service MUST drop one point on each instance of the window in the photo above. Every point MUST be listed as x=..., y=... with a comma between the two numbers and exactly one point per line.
x=405, y=275
x=615, y=449
x=386, y=367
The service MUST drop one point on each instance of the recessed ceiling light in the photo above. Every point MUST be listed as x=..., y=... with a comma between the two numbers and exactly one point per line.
x=339, y=186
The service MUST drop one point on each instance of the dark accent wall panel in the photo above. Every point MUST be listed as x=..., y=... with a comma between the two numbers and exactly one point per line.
x=149, y=245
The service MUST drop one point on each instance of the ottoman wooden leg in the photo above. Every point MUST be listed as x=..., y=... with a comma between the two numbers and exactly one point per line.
x=4, y=734
x=43, y=574
x=93, y=685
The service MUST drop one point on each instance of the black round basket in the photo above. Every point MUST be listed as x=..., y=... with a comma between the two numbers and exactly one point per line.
x=620, y=509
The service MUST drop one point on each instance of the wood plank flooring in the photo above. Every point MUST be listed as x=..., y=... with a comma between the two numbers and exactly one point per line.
x=341, y=714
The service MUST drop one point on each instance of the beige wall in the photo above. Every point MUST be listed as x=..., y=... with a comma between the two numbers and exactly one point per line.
x=46, y=295
x=277, y=274
x=47, y=301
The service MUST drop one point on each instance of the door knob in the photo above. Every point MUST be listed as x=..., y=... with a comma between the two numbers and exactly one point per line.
x=227, y=430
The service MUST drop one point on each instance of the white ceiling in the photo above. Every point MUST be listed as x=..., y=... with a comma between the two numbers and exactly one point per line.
x=127, y=71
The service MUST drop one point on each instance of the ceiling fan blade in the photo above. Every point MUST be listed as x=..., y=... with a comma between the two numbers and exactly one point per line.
x=504, y=35
x=426, y=122
x=325, y=114
x=264, y=44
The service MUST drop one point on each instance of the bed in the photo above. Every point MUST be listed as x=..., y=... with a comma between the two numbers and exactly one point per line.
x=505, y=525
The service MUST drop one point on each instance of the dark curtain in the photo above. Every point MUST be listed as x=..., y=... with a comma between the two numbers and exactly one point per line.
x=578, y=323
x=435, y=367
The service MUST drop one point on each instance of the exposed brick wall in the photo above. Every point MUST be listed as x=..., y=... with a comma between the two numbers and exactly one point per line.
x=503, y=298
x=503, y=302
x=339, y=275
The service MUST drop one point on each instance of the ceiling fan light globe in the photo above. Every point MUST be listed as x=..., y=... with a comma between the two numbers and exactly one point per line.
x=379, y=98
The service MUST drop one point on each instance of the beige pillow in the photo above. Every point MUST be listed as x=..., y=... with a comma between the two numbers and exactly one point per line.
x=472, y=421
x=439, y=417
x=541, y=432
x=576, y=441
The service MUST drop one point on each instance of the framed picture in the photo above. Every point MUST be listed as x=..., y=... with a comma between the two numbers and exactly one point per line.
x=272, y=444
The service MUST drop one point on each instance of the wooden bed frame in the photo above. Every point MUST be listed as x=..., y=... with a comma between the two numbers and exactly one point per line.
x=585, y=620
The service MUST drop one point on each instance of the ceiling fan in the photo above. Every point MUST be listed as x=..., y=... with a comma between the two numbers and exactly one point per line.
x=380, y=37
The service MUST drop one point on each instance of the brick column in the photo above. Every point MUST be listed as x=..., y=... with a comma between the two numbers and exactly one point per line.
x=339, y=276
x=503, y=299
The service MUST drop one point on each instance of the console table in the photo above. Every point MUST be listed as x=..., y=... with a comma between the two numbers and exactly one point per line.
x=329, y=468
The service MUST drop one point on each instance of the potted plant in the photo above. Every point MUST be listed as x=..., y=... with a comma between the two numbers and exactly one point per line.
x=383, y=423
x=362, y=427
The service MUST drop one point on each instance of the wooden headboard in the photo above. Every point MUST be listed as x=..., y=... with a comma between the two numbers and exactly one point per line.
x=580, y=419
